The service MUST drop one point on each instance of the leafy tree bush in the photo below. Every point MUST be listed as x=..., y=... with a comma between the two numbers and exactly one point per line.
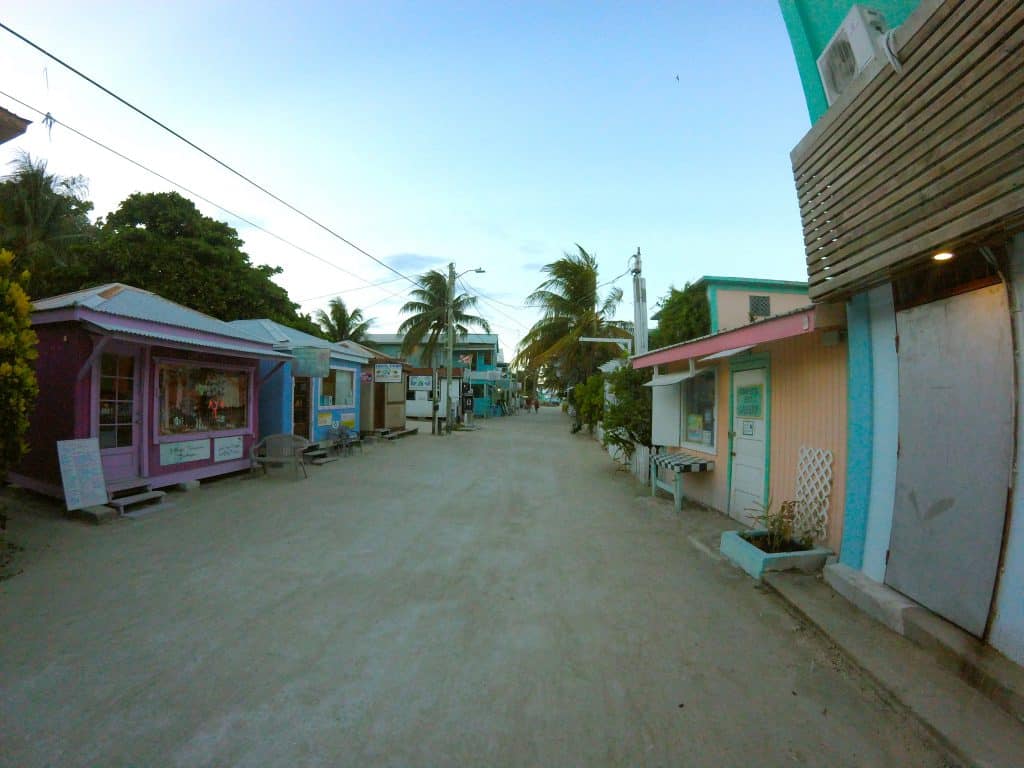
x=590, y=401
x=18, y=388
x=627, y=413
x=682, y=315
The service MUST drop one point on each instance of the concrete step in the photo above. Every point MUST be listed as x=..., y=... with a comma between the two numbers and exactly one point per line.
x=139, y=498
x=401, y=433
x=968, y=723
x=321, y=460
x=147, y=510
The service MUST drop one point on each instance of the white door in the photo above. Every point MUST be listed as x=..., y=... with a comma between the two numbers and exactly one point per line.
x=749, y=444
x=956, y=443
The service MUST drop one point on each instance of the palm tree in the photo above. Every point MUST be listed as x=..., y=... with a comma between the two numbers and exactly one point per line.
x=339, y=324
x=572, y=308
x=429, y=309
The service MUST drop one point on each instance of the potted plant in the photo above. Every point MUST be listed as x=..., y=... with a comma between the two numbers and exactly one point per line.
x=784, y=542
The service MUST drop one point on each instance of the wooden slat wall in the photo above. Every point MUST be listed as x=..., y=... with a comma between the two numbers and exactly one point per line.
x=920, y=161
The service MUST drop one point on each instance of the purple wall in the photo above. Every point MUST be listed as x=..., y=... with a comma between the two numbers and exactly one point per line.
x=63, y=347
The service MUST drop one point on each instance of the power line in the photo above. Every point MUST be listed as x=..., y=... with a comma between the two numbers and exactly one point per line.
x=351, y=290
x=49, y=119
x=212, y=157
x=470, y=289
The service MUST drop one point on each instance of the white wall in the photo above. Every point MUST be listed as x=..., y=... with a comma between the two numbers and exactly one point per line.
x=885, y=432
x=1008, y=627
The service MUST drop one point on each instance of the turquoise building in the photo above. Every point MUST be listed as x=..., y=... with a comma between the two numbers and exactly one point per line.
x=911, y=191
x=306, y=405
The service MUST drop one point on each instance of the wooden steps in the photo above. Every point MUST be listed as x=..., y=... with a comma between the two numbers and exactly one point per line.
x=137, y=503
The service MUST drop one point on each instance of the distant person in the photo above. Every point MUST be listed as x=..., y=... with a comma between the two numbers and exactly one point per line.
x=536, y=405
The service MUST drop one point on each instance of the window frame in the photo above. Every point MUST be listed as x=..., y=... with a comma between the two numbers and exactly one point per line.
x=161, y=363
x=710, y=450
x=350, y=372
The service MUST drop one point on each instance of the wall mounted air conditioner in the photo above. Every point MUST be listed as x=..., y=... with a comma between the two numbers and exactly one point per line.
x=857, y=41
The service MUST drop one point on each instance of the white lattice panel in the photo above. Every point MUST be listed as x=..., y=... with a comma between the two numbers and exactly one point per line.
x=813, y=491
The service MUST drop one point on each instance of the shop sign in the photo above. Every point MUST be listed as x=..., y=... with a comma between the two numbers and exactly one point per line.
x=181, y=453
x=387, y=373
x=227, y=448
x=81, y=473
x=421, y=383
x=750, y=402
x=324, y=418
x=311, y=361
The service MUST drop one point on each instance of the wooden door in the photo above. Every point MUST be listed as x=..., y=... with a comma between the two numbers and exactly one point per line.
x=301, y=407
x=749, y=444
x=119, y=416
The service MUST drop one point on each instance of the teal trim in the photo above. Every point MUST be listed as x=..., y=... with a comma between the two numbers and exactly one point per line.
x=753, y=362
x=754, y=284
x=859, y=431
x=811, y=24
x=713, y=307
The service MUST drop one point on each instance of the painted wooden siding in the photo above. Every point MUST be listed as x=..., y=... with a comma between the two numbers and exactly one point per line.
x=734, y=306
x=808, y=408
x=710, y=488
x=921, y=161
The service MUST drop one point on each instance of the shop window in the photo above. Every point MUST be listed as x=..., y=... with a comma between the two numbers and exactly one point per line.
x=478, y=390
x=698, y=416
x=117, y=395
x=200, y=399
x=337, y=389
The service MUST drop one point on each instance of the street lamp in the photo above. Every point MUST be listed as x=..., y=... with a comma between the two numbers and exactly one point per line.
x=452, y=277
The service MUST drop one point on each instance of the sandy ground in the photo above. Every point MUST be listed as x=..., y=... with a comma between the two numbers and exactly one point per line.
x=499, y=597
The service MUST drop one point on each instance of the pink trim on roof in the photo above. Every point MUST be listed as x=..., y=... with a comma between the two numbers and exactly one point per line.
x=773, y=329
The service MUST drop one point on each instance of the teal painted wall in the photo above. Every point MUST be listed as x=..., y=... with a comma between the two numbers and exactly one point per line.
x=811, y=24
x=859, y=431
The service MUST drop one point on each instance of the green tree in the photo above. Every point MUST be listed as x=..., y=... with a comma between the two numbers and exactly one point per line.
x=572, y=308
x=339, y=324
x=589, y=401
x=44, y=218
x=428, y=323
x=627, y=411
x=162, y=243
x=18, y=387
x=682, y=315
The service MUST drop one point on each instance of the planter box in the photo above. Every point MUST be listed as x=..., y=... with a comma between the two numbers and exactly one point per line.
x=755, y=562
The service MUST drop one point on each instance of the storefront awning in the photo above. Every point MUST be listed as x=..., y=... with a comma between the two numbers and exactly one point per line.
x=727, y=353
x=231, y=346
x=670, y=378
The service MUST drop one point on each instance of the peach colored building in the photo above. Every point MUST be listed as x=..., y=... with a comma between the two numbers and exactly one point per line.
x=745, y=401
x=736, y=301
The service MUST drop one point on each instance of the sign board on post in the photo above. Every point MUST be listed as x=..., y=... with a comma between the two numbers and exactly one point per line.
x=387, y=373
x=81, y=473
x=311, y=361
x=421, y=383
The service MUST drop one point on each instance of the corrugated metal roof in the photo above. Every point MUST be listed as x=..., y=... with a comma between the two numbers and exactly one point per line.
x=288, y=338
x=254, y=349
x=127, y=301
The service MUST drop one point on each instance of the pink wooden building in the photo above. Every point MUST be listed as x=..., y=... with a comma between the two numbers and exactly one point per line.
x=170, y=393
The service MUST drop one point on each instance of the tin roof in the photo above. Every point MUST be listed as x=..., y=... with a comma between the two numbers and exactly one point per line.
x=285, y=337
x=127, y=301
x=125, y=331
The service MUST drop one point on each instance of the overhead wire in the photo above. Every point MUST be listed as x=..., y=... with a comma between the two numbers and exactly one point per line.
x=50, y=120
x=207, y=154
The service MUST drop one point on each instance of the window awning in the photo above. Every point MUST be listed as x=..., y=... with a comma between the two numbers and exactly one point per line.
x=670, y=378
x=727, y=353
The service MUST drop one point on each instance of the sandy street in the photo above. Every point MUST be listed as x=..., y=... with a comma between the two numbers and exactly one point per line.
x=500, y=597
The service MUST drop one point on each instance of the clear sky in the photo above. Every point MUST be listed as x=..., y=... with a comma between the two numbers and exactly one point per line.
x=490, y=134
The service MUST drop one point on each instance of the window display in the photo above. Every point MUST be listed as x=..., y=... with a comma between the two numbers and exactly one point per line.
x=699, y=410
x=199, y=399
x=337, y=389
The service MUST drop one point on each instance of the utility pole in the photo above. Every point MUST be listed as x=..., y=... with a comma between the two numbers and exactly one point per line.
x=639, y=307
x=451, y=347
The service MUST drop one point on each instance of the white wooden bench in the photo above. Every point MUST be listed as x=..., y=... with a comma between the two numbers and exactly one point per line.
x=679, y=464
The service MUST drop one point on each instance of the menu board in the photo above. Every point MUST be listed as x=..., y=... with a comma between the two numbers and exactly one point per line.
x=81, y=473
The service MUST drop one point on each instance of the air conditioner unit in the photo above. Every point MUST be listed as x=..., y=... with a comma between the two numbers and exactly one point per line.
x=856, y=42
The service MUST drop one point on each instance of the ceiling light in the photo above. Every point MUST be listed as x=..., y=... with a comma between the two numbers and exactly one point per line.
x=944, y=256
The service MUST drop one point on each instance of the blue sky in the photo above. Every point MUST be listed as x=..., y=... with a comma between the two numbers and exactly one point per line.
x=488, y=134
